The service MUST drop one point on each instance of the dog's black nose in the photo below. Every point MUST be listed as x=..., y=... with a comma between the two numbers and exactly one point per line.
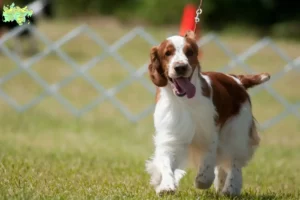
x=181, y=69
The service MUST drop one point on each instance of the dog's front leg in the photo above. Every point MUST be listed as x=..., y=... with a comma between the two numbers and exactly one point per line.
x=166, y=167
x=164, y=163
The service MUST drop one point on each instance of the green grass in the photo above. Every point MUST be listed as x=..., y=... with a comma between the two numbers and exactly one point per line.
x=46, y=153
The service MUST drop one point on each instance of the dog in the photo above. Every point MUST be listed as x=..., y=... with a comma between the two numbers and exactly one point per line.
x=40, y=8
x=205, y=116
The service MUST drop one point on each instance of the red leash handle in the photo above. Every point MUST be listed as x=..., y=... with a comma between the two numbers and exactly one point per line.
x=190, y=18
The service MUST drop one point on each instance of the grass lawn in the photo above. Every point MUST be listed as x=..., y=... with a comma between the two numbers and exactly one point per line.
x=46, y=153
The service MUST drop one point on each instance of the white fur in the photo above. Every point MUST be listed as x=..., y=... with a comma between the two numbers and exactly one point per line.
x=236, y=79
x=186, y=127
x=264, y=77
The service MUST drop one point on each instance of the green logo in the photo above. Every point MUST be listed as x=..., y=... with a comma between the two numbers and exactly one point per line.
x=12, y=13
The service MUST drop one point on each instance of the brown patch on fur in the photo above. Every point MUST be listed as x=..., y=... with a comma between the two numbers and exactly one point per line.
x=191, y=50
x=228, y=96
x=155, y=69
x=159, y=58
x=190, y=34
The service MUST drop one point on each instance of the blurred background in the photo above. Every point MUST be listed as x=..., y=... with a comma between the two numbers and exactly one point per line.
x=76, y=102
x=271, y=17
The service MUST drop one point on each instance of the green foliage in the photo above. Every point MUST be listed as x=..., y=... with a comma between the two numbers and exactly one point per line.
x=8, y=13
x=17, y=14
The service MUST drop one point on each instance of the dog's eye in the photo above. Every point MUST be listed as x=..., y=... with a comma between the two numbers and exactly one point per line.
x=168, y=53
x=189, y=53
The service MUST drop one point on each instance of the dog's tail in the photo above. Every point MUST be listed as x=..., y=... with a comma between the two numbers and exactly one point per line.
x=251, y=80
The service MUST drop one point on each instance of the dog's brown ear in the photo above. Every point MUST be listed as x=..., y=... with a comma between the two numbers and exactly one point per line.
x=155, y=69
x=190, y=34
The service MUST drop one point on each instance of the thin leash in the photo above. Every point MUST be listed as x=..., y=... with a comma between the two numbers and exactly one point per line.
x=198, y=13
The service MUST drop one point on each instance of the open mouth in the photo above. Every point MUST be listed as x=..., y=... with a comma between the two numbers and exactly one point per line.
x=182, y=86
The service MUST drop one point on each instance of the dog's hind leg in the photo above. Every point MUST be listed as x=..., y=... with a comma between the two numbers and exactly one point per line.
x=234, y=180
x=237, y=138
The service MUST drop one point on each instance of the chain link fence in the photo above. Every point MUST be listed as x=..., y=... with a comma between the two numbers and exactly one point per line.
x=135, y=75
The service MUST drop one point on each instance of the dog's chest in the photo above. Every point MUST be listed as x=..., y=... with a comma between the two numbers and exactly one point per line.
x=182, y=119
x=202, y=113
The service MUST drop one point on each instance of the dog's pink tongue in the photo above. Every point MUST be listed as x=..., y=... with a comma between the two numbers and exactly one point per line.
x=187, y=86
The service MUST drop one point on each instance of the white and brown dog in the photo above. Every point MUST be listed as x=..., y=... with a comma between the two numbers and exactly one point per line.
x=203, y=115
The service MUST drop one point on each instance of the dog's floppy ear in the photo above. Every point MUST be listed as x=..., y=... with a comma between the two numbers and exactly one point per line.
x=190, y=34
x=155, y=69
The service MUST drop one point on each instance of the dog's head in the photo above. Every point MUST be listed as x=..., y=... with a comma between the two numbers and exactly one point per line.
x=173, y=63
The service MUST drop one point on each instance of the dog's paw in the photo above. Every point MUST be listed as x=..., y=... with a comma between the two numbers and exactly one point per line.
x=231, y=191
x=204, y=179
x=154, y=173
x=178, y=174
x=165, y=189
x=202, y=183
